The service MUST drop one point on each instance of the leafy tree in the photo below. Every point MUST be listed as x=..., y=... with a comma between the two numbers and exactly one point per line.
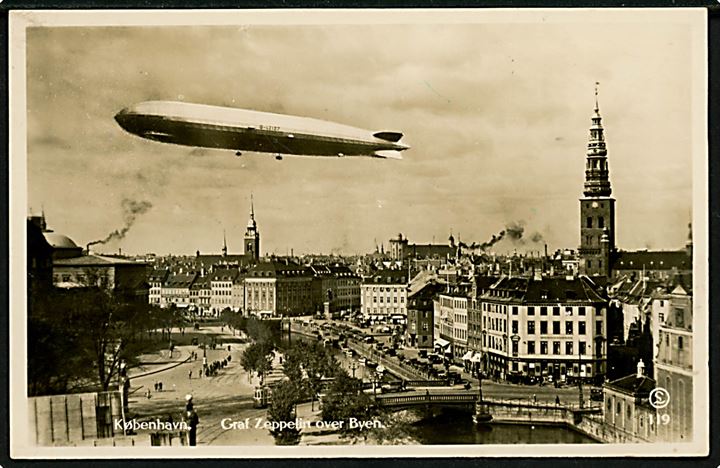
x=257, y=358
x=83, y=334
x=282, y=410
x=309, y=364
x=234, y=320
x=346, y=399
x=259, y=330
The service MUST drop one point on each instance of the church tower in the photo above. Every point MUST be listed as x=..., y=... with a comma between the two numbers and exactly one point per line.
x=597, y=207
x=252, y=235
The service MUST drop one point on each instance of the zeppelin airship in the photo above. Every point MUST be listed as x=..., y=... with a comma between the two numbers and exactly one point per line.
x=240, y=130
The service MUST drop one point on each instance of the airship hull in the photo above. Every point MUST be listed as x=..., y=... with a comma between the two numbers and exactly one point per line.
x=240, y=130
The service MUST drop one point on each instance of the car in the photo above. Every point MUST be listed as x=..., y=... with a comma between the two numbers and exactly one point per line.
x=596, y=394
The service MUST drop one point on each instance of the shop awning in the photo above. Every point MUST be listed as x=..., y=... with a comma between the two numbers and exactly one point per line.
x=467, y=356
x=442, y=343
x=476, y=358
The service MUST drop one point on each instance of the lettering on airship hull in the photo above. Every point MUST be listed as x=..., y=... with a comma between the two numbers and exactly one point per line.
x=243, y=130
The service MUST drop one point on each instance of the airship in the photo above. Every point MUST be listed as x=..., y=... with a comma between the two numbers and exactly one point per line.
x=206, y=126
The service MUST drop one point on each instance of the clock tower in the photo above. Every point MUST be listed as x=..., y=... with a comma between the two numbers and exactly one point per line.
x=252, y=235
x=597, y=207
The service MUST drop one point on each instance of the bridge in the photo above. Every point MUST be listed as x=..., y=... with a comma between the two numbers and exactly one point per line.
x=400, y=402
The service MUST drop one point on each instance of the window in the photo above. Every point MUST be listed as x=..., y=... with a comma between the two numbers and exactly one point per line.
x=588, y=222
x=569, y=348
x=514, y=327
x=543, y=347
x=680, y=342
x=514, y=310
x=582, y=348
x=531, y=310
x=568, y=328
x=556, y=328
x=543, y=310
x=531, y=327
x=589, y=264
x=556, y=347
x=679, y=318
x=598, y=327
x=515, y=347
x=543, y=327
x=556, y=310
x=601, y=222
x=568, y=310
x=582, y=328
x=531, y=347
x=581, y=310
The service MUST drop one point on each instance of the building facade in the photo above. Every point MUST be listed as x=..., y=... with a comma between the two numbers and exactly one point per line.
x=221, y=286
x=420, y=320
x=384, y=296
x=549, y=328
x=674, y=366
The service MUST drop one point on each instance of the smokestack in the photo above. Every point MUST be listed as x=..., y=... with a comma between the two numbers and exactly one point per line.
x=546, y=251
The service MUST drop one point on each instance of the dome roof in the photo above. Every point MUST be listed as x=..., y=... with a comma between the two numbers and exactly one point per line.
x=59, y=241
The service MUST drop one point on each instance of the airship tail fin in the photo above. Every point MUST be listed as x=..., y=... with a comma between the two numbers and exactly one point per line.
x=388, y=136
x=388, y=154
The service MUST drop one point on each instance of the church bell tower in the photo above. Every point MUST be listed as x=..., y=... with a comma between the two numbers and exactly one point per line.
x=252, y=235
x=597, y=207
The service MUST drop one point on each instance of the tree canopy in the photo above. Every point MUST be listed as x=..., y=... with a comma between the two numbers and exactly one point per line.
x=282, y=410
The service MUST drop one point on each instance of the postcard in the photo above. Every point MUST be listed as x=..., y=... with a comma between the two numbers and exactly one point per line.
x=358, y=233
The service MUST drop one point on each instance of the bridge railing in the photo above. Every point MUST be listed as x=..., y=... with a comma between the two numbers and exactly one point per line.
x=427, y=383
x=428, y=398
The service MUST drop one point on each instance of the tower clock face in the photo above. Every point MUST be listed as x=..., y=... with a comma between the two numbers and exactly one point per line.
x=594, y=204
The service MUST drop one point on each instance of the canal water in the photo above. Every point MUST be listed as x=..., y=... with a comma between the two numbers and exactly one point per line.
x=457, y=428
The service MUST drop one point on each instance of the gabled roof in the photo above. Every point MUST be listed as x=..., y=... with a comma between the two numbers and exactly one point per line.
x=181, y=280
x=387, y=277
x=224, y=274
x=547, y=290
x=277, y=269
x=652, y=260
x=632, y=385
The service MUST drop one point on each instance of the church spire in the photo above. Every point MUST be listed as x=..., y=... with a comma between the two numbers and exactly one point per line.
x=597, y=173
x=224, y=249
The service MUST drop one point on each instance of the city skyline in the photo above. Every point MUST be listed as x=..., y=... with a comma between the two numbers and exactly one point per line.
x=498, y=133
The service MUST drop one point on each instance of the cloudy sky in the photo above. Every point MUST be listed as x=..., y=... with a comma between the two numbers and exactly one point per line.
x=497, y=115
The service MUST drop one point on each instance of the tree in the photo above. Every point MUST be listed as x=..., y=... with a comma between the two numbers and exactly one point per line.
x=82, y=334
x=345, y=400
x=257, y=358
x=282, y=413
x=309, y=364
x=259, y=331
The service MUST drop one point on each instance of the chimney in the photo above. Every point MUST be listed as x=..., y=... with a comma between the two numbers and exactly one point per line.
x=640, y=369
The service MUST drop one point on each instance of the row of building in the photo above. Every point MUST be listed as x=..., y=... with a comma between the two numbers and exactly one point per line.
x=268, y=288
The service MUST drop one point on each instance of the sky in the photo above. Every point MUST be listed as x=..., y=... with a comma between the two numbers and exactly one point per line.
x=497, y=115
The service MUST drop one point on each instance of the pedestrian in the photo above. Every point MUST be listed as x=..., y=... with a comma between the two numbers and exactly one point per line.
x=147, y=393
x=160, y=386
x=557, y=400
x=156, y=386
x=534, y=398
x=190, y=374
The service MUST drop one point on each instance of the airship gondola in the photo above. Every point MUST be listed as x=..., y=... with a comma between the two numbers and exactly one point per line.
x=240, y=130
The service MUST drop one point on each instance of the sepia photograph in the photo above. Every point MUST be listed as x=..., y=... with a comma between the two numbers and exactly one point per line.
x=368, y=233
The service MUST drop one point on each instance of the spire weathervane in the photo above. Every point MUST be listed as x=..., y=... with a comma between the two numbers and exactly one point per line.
x=597, y=108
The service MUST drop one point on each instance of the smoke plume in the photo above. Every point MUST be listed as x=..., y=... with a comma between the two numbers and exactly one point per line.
x=513, y=231
x=131, y=210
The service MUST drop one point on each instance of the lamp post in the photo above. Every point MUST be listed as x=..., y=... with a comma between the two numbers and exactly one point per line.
x=353, y=367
